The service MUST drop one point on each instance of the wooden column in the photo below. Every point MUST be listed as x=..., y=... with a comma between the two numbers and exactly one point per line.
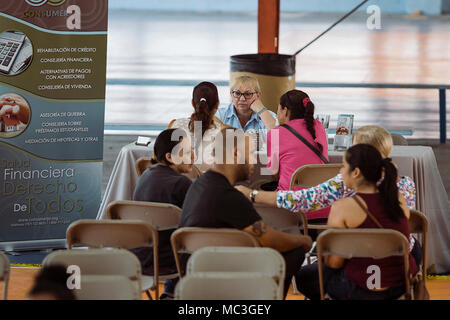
x=268, y=25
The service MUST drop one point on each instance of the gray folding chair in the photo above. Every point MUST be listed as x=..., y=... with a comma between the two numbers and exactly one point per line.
x=311, y=175
x=145, y=162
x=284, y=220
x=371, y=243
x=161, y=216
x=99, y=262
x=4, y=273
x=227, y=286
x=125, y=234
x=142, y=164
x=189, y=239
x=418, y=224
x=239, y=259
x=107, y=287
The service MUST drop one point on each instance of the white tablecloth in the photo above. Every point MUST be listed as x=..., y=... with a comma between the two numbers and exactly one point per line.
x=417, y=162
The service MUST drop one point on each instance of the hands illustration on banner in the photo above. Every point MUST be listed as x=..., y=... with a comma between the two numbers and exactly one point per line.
x=15, y=106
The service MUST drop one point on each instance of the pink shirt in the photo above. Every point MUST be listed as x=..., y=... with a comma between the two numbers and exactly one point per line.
x=291, y=153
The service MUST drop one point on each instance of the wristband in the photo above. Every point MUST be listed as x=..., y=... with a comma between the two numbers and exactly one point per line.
x=261, y=111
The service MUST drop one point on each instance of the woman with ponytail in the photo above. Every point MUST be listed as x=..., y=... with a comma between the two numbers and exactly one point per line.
x=202, y=126
x=363, y=170
x=285, y=150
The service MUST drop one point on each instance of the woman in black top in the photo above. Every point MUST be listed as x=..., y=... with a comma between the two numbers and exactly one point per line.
x=164, y=182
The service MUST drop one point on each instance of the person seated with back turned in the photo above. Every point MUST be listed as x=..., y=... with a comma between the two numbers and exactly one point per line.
x=205, y=100
x=325, y=194
x=315, y=201
x=213, y=202
x=285, y=151
x=164, y=182
x=348, y=279
x=246, y=111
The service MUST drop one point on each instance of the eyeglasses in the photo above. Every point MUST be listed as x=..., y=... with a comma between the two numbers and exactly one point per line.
x=238, y=94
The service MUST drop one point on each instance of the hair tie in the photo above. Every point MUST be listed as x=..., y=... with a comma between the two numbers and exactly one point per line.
x=202, y=99
x=305, y=101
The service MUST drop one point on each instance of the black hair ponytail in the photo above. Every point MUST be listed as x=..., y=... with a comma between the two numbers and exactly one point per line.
x=301, y=107
x=389, y=190
x=368, y=159
x=205, y=98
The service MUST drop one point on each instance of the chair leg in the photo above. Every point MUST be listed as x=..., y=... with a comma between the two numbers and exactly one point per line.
x=149, y=295
x=294, y=286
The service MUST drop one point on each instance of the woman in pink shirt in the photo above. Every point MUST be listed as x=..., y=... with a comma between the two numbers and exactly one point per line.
x=285, y=151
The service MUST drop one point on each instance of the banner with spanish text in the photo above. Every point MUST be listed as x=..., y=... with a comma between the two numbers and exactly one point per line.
x=52, y=103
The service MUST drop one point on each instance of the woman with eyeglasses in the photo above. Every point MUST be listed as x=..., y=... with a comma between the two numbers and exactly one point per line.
x=298, y=141
x=246, y=110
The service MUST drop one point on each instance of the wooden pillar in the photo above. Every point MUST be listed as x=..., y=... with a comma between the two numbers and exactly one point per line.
x=268, y=25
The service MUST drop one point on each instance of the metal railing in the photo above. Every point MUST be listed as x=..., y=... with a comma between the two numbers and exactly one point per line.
x=191, y=83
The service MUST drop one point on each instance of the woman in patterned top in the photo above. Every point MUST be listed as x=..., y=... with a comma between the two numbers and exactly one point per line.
x=325, y=194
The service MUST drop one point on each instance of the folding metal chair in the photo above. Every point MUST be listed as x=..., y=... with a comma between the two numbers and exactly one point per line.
x=371, y=243
x=4, y=273
x=239, y=259
x=161, y=216
x=284, y=220
x=142, y=164
x=189, y=239
x=418, y=224
x=311, y=175
x=227, y=286
x=125, y=234
x=99, y=262
x=110, y=287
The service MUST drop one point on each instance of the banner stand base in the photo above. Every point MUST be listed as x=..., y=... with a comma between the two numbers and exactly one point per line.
x=17, y=246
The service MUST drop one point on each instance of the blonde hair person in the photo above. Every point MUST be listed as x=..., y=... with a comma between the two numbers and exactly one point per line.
x=246, y=110
x=325, y=194
x=253, y=82
x=376, y=136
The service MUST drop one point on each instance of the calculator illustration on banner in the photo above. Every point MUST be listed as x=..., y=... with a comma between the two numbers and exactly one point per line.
x=10, y=45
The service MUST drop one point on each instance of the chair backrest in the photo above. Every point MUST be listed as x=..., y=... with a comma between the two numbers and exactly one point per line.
x=190, y=239
x=126, y=234
x=399, y=140
x=418, y=223
x=99, y=262
x=227, y=286
x=239, y=259
x=282, y=219
x=161, y=216
x=4, y=273
x=313, y=174
x=371, y=243
x=145, y=162
x=142, y=164
x=109, y=287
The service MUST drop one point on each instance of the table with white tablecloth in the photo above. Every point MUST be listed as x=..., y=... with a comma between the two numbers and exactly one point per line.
x=417, y=162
